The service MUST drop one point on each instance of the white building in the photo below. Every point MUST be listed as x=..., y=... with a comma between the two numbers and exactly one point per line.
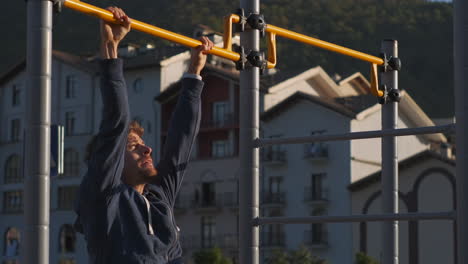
x=296, y=180
x=426, y=184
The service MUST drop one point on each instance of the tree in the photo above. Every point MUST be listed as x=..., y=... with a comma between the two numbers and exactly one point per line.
x=362, y=258
x=210, y=256
x=300, y=256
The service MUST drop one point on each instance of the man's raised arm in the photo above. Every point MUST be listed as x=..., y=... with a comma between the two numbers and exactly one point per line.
x=105, y=163
x=184, y=124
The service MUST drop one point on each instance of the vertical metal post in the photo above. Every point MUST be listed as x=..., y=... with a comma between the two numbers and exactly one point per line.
x=37, y=139
x=461, y=111
x=249, y=155
x=390, y=159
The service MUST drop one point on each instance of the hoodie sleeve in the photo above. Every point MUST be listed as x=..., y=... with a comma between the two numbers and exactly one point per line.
x=107, y=156
x=183, y=129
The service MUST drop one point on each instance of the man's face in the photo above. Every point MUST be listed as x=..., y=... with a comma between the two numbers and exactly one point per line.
x=138, y=166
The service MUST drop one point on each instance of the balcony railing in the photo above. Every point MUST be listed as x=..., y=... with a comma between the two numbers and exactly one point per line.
x=228, y=120
x=274, y=155
x=273, y=198
x=316, y=151
x=316, y=237
x=311, y=195
x=272, y=239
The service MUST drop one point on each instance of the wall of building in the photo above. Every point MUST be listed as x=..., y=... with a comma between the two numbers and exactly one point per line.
x=427, y=186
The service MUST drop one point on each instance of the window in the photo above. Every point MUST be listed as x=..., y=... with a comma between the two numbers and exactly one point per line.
x=13, y=169
x=318, y=231
x=138, y=85
x=66, y=197
x=13, y=201
x=274, y=194
x=208, y=231
x=69, y=123
x=219, y=148
x=67, y=239
x=12, y=243
x=71, y=163
x=220, y=113
x=16, y=95
x=15, y=129
x=71, y=85
x=208, y=194
x=317, y=190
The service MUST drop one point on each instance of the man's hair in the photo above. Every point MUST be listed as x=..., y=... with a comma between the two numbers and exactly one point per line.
x=134, y=127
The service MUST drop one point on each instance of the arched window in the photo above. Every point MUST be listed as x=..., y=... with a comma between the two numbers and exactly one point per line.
x=12, y=243
x=67, y=239
x=13, y=169
x=71, y=164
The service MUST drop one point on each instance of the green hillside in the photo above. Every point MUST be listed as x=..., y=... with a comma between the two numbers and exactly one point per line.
x=424, y=31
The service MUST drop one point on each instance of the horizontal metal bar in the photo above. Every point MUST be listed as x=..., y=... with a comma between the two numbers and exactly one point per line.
x=88, y=9
x=355, y=218
x=357, y=135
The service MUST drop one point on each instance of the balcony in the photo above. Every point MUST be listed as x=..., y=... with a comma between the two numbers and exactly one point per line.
x=207, y=204
x=272, y=155
x=272, y=239
x=316, y=238
x=227, y=121
x=273, y=199
x=313, y=197
x=316, y=151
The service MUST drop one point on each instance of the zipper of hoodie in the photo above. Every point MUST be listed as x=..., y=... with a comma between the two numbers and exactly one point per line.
x=174, y=226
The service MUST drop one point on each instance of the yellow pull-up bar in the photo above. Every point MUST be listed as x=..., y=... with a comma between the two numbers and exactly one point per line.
x=227, y=52
x=147, y=28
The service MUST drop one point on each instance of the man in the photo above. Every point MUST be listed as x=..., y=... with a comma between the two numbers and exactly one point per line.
x=126, y=205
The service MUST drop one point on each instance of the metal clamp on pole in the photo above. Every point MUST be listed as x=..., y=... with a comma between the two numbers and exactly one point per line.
x=257, y=21
x=257, y=59
x=57, y=5
x=390, y=93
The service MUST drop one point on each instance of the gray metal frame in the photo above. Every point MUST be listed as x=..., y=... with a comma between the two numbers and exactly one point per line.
x=249, y=158
x=389, y=182
x=461, y=111
x=37, y=139
x=37, y=155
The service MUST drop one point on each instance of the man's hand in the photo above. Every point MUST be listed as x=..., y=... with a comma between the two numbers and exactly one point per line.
x=112, y=34
x=198, y=59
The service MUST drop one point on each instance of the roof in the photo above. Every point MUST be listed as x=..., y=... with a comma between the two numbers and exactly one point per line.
x=173, y=89
x=153, y=57
x=402, y=165
x=82, y=63
x=293, y=99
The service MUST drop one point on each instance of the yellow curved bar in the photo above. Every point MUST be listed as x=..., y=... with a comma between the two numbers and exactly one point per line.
x=375, y=81
x=227, y=37
x=149, y=29
x=271, y=50
x=323, y=44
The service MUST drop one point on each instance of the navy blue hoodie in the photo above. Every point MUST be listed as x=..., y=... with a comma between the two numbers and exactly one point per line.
x=113, y=216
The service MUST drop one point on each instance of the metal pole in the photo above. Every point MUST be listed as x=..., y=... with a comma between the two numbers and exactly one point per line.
x=390, y=160
x=249, y=155
x=461, y=111
x=356, y=218
x=357, y=135
x=37, y=139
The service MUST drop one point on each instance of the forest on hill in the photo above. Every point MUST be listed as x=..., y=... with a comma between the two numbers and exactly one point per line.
x=424, y=31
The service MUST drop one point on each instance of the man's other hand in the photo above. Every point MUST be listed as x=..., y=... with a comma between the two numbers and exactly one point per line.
x=198, y=59
x=112, y=34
